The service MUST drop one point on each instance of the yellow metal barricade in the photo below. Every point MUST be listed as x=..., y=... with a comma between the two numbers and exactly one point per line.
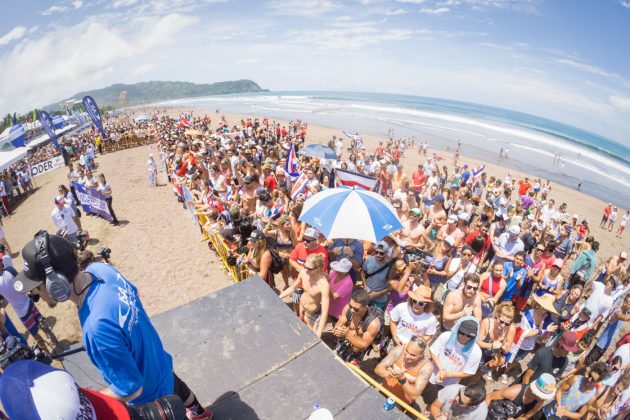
x=409, y=410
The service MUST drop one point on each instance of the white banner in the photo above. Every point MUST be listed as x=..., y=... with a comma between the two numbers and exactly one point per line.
x=41, y=168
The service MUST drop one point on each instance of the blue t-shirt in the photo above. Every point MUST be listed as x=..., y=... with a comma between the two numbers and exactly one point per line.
x=120, y=339
x=512, y=278
x=378, y=281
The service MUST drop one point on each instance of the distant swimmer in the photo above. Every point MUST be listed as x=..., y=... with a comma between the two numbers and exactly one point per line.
x=501, y=153
x=579, y=185
x=562, y=164
x=507, y=151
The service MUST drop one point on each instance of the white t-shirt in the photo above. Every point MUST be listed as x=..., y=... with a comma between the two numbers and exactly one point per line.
x=63, y=219
x=339, y=147
x=18, y=302
x=599, y=302
x=624, y=352
x=623, y=402
x=453, y=360
x=455, y=282
x=410, y=324
x=448, y=398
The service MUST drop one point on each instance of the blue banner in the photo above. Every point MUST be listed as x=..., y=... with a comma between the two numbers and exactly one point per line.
x=47, y=125
x=92, y=109
x=92, y=201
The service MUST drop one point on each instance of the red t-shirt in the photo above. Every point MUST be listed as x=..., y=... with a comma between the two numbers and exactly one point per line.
x=419, y=179
x=270, y=183
x=300, y=253
x=607, y=211
x=523, y=187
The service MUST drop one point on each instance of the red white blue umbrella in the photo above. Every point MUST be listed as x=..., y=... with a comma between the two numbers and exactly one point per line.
x=354, y=213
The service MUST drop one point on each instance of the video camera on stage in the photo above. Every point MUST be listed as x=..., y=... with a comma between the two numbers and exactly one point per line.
x=12, y=350
x=105, y=253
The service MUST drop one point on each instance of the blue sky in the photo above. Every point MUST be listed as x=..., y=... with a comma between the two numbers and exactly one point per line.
x=565, y=60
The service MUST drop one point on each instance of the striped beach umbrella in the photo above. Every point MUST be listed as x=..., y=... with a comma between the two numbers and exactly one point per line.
x=353, y=213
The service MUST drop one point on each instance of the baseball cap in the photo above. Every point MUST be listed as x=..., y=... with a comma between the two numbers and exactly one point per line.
x=311, y=233
x=249, y=179
x=623, y=255
x=31, y=389
x=544, y=387
x=439, y=197
x=558, y=262
x=382, y=246
x=343, y=265
x=463, y=216
x=569, y=341
x=60, y=200
x=415, y=212
x=468, y=327
x=256, y=235
x=514, y=230
x=449, y=240
x=452, y=218
x=62, y=258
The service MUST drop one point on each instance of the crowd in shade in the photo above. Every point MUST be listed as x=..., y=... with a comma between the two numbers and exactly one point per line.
x=491, y=301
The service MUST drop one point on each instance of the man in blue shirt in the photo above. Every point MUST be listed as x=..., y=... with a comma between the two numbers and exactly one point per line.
x=514, y=274
x=350, y=249
x=117, y=332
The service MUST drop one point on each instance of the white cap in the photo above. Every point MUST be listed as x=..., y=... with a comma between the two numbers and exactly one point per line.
x=623, y=255
x=343, y=265
x=514, y=230
x=311, y=233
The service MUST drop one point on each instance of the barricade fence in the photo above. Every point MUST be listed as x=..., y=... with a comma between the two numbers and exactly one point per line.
x=126, y=141
x=237, y=272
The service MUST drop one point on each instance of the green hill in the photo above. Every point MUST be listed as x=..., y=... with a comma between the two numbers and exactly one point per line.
x=155, y=91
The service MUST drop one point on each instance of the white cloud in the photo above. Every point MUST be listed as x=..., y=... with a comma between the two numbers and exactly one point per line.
x=307, y=8
x=97, y=51
x=411, y=1
x=621, y=102
x=53, y=9
x=351, y=37
x=625, y=3
x=13, y=35
x=123, y=3
x=586, y=67
x=77, y=3
x=438, y=11
x=395, y=12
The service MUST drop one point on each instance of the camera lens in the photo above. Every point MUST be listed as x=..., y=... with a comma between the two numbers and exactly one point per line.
x=170, y=407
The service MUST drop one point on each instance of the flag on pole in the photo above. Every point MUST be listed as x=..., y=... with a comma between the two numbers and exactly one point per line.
x=476, y=172
x=353, y=179
x=275, y=211
x=291, y=166
x=299, y=186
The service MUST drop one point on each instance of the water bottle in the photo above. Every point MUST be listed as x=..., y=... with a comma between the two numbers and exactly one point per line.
x=316, y=405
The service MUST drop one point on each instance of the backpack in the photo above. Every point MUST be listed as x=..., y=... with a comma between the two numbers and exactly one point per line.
x=373, y=313
x=277, y=262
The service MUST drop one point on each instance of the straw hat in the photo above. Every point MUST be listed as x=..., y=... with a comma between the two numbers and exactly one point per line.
x=421, y=294
x=546, y=301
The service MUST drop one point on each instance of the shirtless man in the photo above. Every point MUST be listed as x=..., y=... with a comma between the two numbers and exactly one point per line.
x=436, y=212
x=615, y=266
x=315, y=300
x=354, y=336
x=462, y=302
x=250, y=185
x=413, y=228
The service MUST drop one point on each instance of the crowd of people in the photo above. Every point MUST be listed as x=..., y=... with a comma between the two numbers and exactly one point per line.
x=488, y=282
x=491, y=301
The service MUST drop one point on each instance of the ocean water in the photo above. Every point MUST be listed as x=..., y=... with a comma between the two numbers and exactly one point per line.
x=602, y=165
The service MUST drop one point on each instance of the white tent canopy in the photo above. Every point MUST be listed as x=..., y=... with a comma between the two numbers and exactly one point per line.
x=10, y=157
x=44, y=137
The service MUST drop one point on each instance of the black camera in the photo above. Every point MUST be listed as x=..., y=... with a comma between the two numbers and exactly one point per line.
x=420, y=258
x=170, y=407
x=105, y=253
x=12, y=350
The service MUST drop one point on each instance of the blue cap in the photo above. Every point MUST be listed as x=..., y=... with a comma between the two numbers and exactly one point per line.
x=439, y=197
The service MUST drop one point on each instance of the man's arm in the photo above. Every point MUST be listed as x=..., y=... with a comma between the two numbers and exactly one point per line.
x=107, y=391
x=383, y=369
x=362, y=342
x=323, y=318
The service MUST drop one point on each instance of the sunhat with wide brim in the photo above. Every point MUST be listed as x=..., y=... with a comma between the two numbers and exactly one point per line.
x=546, y=301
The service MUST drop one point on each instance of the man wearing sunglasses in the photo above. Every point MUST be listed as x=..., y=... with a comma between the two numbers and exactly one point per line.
x=413, y=317
x=405, y=370
x=552, y=360
x=461, y=402
x=455, y=355
x=375, y=269
x=576, y=396
x=462, y=302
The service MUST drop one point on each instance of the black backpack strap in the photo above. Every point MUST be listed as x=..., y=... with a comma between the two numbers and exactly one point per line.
x=386, y=266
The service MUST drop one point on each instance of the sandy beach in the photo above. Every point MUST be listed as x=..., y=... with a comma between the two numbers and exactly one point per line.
x=157, y=245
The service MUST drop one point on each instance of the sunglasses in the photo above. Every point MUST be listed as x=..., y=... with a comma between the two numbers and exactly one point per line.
x=503, y=322
x=379, y=252
x=417, y=302
x=310, y=268
x=355, y=309
x=464, y=335
x=473, y=288
x=309, y=240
